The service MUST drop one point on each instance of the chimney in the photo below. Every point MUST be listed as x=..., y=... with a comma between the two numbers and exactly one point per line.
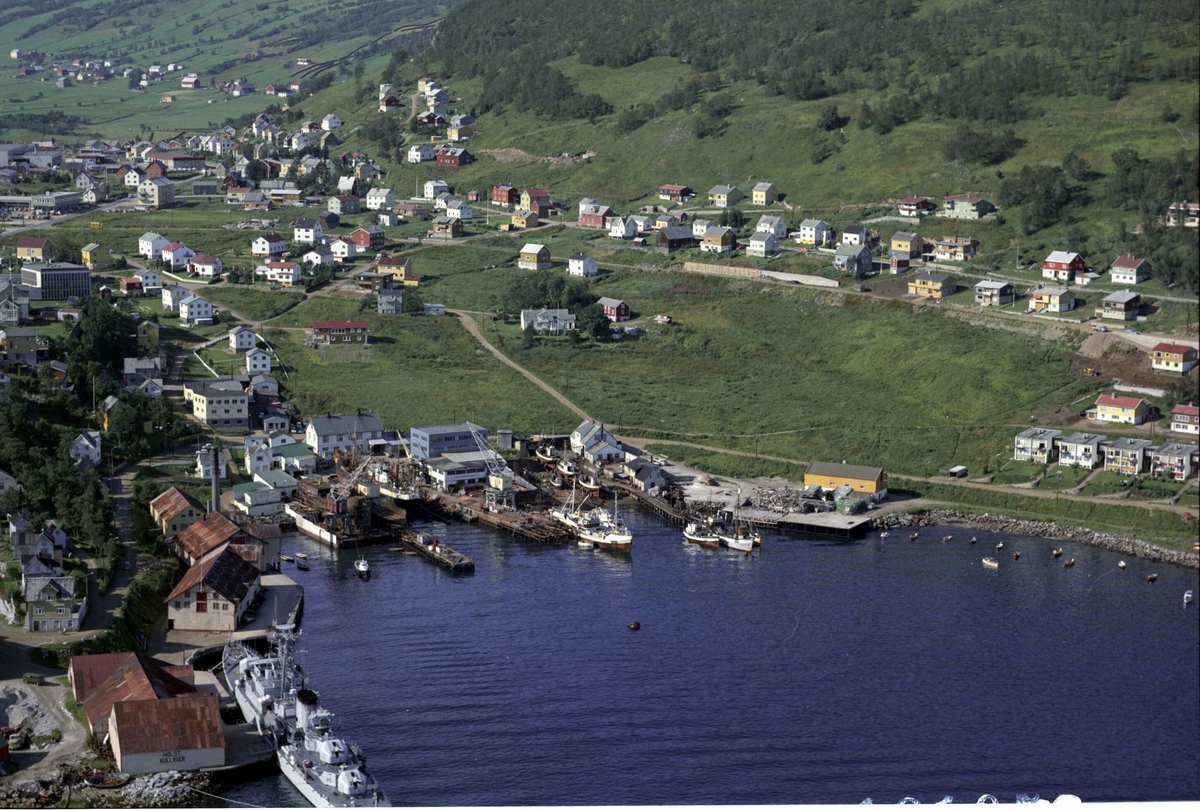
x=214, y=505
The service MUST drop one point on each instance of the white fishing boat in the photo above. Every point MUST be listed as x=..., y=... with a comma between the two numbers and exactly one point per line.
x=589, y=483
x=362, y=567
x=567, y=466
x=990, y=562
x=596, y=525
x=1187, y=597
x=739, y=536
x=546, y=454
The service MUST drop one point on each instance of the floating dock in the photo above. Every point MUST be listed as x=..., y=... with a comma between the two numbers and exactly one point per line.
x=438, y=552
x=534, y=526
x=837, y=524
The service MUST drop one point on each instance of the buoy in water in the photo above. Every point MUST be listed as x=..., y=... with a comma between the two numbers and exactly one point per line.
x=635, y=625
x=1057, y=553
x=999, y=545
x=1151, y=577
x=973, y=539
x=1016, y=555
x=1121, y=565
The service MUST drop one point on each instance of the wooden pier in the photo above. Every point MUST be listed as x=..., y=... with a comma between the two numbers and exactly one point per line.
x=656, y=505
x=535, y=526
x=438, y=552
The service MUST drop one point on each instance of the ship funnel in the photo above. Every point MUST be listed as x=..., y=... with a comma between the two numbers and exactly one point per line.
x=306, y=703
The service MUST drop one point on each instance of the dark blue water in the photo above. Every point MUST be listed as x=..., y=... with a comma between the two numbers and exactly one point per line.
x=816, y=671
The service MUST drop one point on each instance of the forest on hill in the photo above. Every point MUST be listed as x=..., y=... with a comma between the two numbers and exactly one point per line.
x=975, y=61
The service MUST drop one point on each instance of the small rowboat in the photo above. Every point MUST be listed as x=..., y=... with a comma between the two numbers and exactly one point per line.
x=302, y=565
x=912, y=538
x=1069, y=563
x=990, y=562
x=286, y=558
x=300, y=555
x=974, y=540
x=1016, y=555
x=1187, y=597
x=107, y=780
x=1151, y=577
x=947, y=538
x=1057, y=553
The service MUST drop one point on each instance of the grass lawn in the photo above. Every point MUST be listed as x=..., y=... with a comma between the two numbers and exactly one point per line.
x=254, y=303
x=1107, y=482
x=1017, y=472
x=1060, y=477
x=1153, y=488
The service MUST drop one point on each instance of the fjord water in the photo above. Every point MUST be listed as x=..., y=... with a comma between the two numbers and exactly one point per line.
x=816, y=671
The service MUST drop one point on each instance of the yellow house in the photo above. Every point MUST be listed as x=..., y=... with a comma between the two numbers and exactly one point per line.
x=174, y=511
x=871, y=480
x=1173, y=357
x=523, y=218
x=932, y=285
x=147, y=335
x=1127, y=410
x=459, y=133
x=89, y=255
x=534, y=257
x=33, y=247
x=906, y=245
x=534, y=195
x=764, y=194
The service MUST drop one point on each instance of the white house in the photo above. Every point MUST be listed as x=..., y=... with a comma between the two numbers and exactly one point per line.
x=622, y=228
x=268, y=245
x=763, y=244
x=457, y=209
x=151, y=281
x=151, y=245
x=596, y=443
x=814, y=232
x=242, y=339
x=284, y=273
x=177, y=254
x=420, y=153
x=307, y=231
x=205, y=265
x=330, y=122
x=322, y=256
x=700, y=227
x=1129, y=270
x=434, y=188
x=771, y=224
x=553, y=321
x=85, y=450
x=258, y=361
x=171, y=296
x=258, y=455
x=195, y=311
x=380, y=198
x=581, y=265
x=344, y=250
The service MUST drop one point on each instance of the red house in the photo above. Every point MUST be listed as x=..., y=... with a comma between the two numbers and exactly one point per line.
x=505, y=195
x=916, y=206
x=155, y=169
x=388, y=104
x=368, y=238
x=614, y=309
x=453, y=156
x=1063, y=266
x=596, y=216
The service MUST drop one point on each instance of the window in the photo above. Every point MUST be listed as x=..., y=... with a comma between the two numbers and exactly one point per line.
x=39, y=610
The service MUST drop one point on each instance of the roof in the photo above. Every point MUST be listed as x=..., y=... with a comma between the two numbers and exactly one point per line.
x=610, y=302
x=927, y=276
x=1122, y=297
x=345, y=423
x=1039, y=433
x=340, y=325
x=222, y=570
x=967, y=198
x=1062, y=256
x=844, y=470
x=186, y=723
x=205, y=258
x=988, y=284
x=1130, y=262
x=850, y=250
x=1173, y=348
x=1173, y=449
x=1120, y=402
x=906, y=236
x=33, y=242
x=673, y=187
x=532, y=247
x=764, y=186
x=1083, y=438
x=914, y=200
x=1186, y=410
x=1052, y=291
x=137, y=678
x=173, y=502
x=721, y=189
x=206, y=534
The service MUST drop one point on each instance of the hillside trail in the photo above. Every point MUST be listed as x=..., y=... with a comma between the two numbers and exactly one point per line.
x=466, y=318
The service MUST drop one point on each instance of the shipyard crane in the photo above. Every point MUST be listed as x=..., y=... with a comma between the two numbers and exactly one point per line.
x=499, y=491
x=342, y=489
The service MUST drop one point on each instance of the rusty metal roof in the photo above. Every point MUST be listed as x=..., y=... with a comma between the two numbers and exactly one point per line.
x=184, y=723
x=171, y=503
x=206, y=534
x=138, y=678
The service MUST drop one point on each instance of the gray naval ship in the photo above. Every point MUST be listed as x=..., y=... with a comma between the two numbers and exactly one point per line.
x=271, y=692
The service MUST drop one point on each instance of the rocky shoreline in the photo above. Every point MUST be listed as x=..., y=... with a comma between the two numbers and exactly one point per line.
x=1122, y=544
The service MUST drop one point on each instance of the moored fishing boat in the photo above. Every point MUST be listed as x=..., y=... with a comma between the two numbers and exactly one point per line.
x=990, y=562
x=702, y=532
x=362, y=568
x=589, y=483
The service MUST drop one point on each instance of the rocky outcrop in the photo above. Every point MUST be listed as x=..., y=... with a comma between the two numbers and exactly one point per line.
x=1122, y=544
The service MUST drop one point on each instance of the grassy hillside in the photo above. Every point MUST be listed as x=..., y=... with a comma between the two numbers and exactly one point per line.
x=222, y=39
